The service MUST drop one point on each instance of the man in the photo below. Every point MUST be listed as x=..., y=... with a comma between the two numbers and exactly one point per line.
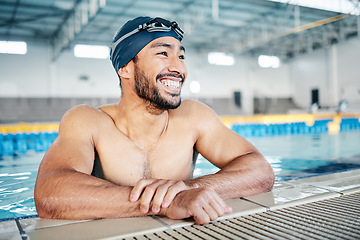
x=136, y=157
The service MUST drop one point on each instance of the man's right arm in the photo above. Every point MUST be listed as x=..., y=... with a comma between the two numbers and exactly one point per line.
x=65, y=188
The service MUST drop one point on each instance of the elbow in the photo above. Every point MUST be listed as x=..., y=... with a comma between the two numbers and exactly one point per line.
x=271, y=181
x=45, y=202
x=43, y=206
x=47, y=207
x=41, y=209
x=268, y=179
x=42, y=213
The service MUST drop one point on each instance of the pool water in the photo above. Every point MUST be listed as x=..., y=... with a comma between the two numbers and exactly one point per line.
x=300, y=156
x=291, y=156
x=17, y=180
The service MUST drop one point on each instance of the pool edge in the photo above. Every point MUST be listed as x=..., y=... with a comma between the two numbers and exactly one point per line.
x=283, y=195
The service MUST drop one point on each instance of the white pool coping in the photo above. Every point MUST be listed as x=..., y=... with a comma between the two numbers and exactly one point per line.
x=284, y=194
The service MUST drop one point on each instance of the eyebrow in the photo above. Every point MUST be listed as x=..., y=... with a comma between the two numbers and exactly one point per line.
x=167, y=45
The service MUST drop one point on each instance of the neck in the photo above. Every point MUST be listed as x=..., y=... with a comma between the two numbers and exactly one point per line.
x=142, y=124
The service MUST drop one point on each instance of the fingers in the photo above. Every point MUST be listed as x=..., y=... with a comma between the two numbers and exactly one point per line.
x=139, y=188
x=172, y=191
x=228, y=210
x=166, y=191
x=212, y=208
x=150, y=191
x=156, y=193
x=205, y=205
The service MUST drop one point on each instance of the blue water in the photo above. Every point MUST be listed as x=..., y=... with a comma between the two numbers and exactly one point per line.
x=291, y=156
x=299, y=156
x=17, y=179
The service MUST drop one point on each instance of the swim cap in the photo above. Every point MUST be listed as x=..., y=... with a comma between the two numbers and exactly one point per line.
x=136, y=34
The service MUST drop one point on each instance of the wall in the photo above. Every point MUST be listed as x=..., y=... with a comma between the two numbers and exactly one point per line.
x=102, y=80
x=245, y=76
x=349, y=71
x=25, y=75
x=42, y=109
x=36, y=75
x=334, y=70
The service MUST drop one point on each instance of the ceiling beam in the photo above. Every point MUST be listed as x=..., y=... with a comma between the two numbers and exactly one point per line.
x=74, y=23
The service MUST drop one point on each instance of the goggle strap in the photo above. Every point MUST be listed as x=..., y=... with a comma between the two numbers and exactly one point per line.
x=179, y=32
x=159, y=29
x=114, y=45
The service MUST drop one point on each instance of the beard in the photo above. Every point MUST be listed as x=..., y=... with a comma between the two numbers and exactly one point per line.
x=151, y=94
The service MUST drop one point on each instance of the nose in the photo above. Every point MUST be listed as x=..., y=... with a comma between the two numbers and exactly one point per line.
x=178, y=66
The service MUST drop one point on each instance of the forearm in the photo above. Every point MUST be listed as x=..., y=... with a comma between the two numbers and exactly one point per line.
x=69, y=194
x=244, y=176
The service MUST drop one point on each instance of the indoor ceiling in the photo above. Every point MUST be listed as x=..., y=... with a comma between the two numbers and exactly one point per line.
x=234, y=26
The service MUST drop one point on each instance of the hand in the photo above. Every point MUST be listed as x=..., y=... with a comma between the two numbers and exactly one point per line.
x=157, y=193
x=204, y=204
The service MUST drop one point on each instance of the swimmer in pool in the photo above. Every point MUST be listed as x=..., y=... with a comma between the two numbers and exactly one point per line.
x=137, y=157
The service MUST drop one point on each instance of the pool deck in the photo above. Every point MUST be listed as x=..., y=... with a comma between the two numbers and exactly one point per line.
x=284, y=194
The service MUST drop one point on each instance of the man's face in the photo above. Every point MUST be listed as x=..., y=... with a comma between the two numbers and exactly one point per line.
x=160, y=72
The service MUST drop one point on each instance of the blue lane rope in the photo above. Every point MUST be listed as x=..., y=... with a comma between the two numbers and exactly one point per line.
x=319, y=126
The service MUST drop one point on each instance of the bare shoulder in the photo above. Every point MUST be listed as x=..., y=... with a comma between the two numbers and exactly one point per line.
x=83, y=113
x=193, y=109
x=82, y=119
x=196, y=114
x=80, y=110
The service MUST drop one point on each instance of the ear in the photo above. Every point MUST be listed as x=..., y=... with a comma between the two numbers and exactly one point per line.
x=126, y=71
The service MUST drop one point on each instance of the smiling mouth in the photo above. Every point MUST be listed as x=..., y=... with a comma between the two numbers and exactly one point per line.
x=171, y=84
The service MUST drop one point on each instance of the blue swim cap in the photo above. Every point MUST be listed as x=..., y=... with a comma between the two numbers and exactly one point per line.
x=136, y=34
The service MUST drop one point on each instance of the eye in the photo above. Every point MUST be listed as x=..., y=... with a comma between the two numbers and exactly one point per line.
x=163, y=53
x=182, y=57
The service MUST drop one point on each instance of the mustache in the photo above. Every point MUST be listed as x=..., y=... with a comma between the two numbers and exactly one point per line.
x=169, y=74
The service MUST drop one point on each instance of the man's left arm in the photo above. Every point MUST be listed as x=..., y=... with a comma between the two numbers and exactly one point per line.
x=244, y=170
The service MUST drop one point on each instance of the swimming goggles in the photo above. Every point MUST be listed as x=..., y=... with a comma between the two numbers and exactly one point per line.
x=154, y=25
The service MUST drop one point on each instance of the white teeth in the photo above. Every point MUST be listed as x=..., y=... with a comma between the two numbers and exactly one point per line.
x=173, y=84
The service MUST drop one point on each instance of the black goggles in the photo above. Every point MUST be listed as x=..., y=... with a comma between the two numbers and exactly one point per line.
x=154, y=25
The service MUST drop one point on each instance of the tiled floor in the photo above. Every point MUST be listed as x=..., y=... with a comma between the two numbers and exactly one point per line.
x=284, y=194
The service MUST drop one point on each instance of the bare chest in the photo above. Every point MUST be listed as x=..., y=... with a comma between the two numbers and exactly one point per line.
x=123, y=162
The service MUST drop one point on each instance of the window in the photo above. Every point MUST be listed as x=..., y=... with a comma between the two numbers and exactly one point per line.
x=10, y=47
x=266, y=61
x=220, y=58
x=343, y=6
x=91, y=51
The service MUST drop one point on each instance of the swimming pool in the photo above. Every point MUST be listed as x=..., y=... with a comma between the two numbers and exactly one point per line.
x=300, y=156
x=17, y=179
x=291, y=156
